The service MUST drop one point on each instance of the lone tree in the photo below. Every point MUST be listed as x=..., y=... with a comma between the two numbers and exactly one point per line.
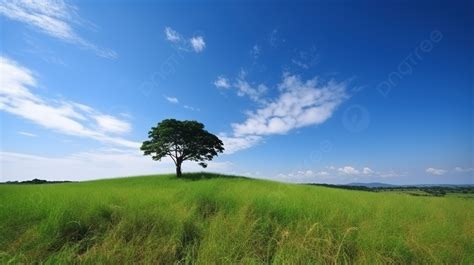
x=182, y=140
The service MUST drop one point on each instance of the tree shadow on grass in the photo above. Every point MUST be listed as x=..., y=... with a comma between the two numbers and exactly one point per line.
x=204, y=176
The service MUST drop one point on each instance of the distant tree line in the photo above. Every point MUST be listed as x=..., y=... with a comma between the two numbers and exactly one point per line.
x=428, y=190
x=34, y=181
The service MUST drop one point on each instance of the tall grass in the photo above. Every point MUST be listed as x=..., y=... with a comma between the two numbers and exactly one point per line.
x=162, y=220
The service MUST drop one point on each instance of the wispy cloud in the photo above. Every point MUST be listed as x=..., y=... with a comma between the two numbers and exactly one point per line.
x=463, y=170
x=42, y=51
x=243, y=88
x=108, y=123
x=27, y=134
x=66, y=117
x=195, y=43
x=222, y=82
x=191, y=108
x=256, y=50
x=436, y=171
x=254, y=92
x=306, y=58
x=172, y=35
x=234, y=144
x=172, y=100
x=55, y=18
x=273, y=38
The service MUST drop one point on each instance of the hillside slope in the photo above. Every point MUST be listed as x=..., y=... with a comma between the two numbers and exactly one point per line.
x=160, y=219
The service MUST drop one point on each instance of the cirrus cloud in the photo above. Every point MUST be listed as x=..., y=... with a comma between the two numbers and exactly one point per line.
x=66, y=117
x=52, y=17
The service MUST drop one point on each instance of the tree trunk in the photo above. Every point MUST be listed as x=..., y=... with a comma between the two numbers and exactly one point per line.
x=178, y=170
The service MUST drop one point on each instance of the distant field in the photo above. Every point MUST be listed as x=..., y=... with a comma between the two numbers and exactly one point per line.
x=162, y=220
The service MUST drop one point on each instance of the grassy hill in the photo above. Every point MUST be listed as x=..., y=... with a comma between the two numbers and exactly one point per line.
x=161, y=219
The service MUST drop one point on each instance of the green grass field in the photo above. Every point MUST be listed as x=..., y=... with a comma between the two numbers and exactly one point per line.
x=162, y=220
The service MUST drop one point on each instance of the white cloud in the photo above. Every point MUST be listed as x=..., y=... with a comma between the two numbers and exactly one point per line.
x=301, y=103
x=341, y=175
x=435, y=171
x=198, y=43
x=53, y=17
x=243, y=88
x=462, y=170
x=234, y=144
x=190, y=108
x=348, y=170
x=322, y=174
x=172, y=100
x=27, y=134
x=102, y=163
x=305, y=176
x=222, y=82
x=255, y=93
x=367, y=171
x=111, y=124
x=62, y=116
x=172, y=35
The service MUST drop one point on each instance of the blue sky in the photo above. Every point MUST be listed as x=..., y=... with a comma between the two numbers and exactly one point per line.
x=321, y=92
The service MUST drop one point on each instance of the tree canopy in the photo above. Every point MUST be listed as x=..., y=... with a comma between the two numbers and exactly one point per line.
x=181, y=141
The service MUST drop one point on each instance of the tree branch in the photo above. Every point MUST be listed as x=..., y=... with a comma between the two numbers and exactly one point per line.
x=172, y=158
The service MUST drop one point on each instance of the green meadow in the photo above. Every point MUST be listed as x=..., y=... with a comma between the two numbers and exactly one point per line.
x=228, y=220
